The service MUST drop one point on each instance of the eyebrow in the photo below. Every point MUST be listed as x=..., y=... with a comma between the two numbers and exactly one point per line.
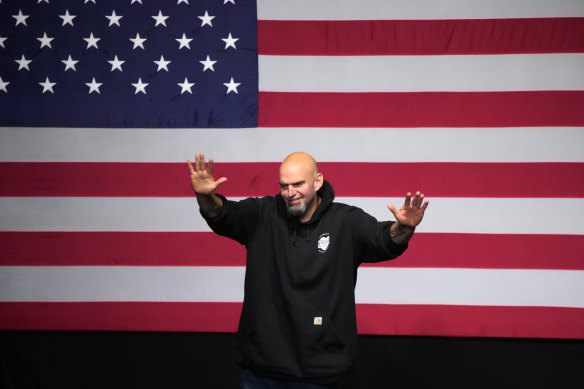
x=293, y=183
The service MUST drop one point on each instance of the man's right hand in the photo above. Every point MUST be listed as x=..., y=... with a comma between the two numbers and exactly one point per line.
x=202, y=179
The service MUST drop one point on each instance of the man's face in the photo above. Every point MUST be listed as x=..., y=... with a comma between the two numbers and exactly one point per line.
x=297, y=187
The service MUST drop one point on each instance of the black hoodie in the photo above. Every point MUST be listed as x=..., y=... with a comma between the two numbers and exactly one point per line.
x=298, y=318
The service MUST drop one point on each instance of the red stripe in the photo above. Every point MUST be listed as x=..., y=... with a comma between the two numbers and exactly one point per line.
x=432, y=320
x=419, y=37
x=202, y=249
x=259, y=179
x=421, y=109
x=471, y=321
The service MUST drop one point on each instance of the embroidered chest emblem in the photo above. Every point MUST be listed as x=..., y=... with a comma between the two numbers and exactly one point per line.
x=323, y=242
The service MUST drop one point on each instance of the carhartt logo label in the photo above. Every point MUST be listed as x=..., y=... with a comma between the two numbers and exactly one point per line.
x=318, y=321
x=323, y=242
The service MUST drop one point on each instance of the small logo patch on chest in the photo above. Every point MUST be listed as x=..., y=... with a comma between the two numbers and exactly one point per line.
x=323, y=242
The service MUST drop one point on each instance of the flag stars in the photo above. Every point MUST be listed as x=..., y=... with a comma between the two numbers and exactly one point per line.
x=232, y=86
x=140, y=86
x=183, y=1
x=114, y=19
x=67, y=19
x=162, y=64
x=92, y=41
x=23, y=63
x=208, y=64
x=136, y=1
x=3, y=85
x=70, y=63
x=184, y=42
x=87, y=1
x=20, y=18
x=230, y=41
x=94, y=86
x=116, y=64
x=228, y=1
x=206, y=19
x=45, y=41
x=160, y=19
x=47, y=85
x=186, y=86
x=138, y=42
x=2, y=39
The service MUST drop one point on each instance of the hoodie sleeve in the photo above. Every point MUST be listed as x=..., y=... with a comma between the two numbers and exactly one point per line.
x=373, y=238
x=236, y=220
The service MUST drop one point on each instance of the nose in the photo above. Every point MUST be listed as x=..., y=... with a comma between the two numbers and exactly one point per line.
x=291, y=191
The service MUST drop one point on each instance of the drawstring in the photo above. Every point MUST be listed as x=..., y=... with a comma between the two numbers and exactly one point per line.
x=307, y=236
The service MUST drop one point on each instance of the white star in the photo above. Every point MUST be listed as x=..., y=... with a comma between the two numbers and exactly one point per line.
x=86, y=1
x=184, y=42
x=230, y=41
x=23, y=63
x=138, y=41
x=116, y=64
x=45, y=41
x=67, y=19
x=183, y=1
x=20, y=18
x=206, y=19
x=208, y=64
x=228, y=1
x=140, y=87
x=46, y=1
x=3, y=85
x=70, y=63
x=160, y=19
x=2, y=39
x=231, y=85
x=47, y=85
x=91, y=41
x=114, y=19
x=186, y=86
x=94, y=86
x=139, y=1
x=162, y=63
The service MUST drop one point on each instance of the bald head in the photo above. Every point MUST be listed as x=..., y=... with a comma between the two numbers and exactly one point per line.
x=299, y=182
x=299, y=161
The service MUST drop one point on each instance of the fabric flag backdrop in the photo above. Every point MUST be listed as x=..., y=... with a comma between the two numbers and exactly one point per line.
x=478, y=104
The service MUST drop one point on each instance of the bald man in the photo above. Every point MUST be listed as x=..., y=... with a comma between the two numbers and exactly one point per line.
x=298, y=325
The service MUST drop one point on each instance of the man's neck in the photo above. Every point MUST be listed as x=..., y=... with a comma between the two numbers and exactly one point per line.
x=308, y=214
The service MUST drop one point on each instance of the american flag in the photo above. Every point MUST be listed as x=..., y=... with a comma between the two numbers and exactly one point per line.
x=478, y=104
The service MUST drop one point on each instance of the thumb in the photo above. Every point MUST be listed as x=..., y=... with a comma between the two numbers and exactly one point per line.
x=220, y=181
x=392, y=208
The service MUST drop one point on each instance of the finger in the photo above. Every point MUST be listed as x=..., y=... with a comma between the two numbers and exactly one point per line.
x=220, y=181
x=425, y=205
x=190, y=166
x=392, y=208
x=210, y=166
x=408, y=199
x=201, y=164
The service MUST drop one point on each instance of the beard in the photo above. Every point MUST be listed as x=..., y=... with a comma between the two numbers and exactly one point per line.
x=296, y=210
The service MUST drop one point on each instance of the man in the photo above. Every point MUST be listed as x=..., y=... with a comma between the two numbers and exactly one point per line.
x=298, y=326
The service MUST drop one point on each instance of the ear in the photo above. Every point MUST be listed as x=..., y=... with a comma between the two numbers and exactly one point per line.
x=318, y=181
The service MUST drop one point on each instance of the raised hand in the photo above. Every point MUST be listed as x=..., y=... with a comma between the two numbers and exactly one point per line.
x=412, y=212
x=202, y=179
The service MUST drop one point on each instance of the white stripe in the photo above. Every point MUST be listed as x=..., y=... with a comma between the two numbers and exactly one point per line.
x=412, y=73
x=448, y=215
x=223, y=284
x=518, y=144
x=471, y=287
x=121, y=283
x=415, y=9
